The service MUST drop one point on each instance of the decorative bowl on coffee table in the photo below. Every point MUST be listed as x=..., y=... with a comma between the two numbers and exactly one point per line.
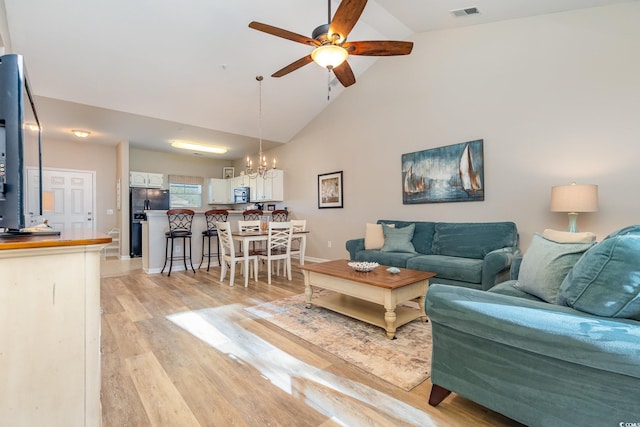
x=362, y=266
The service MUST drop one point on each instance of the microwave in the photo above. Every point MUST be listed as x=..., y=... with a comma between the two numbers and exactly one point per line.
x=241, y=195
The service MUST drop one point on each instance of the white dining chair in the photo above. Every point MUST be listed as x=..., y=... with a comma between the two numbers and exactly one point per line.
x=296, y=242
x=278, y=247
x=230, y=257
x=249, y=225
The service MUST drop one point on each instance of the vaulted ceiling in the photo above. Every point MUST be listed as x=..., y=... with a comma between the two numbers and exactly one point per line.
x=151, y=71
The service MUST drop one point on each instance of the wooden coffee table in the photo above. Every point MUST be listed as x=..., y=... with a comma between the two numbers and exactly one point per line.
x=361, y=295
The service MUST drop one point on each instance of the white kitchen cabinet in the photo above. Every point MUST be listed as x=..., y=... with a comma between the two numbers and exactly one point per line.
x=235, y=182
x=240, y=181
x=155, y=180
x=146, y=179
x=219, y=191
x=253, y=190
x=277, y=186
x=269, y=189
x=137, y=179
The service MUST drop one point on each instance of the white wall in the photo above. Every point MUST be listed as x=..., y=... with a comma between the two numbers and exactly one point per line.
x=99, y=158
x=113, y=162
x=555, y=98
x=5, y=40
x=175, y=164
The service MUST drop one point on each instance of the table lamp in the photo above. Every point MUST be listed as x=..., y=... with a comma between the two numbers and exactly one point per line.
x=573, y=199
x=47, y=205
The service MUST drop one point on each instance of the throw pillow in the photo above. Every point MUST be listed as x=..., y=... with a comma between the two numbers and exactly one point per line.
x=568, y=237
x=606, y=280
x=545, y=265
x=398, y=239
x=374, y=237
x=632, y=229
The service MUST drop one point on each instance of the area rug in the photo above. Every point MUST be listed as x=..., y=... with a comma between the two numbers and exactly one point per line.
x=404, y=362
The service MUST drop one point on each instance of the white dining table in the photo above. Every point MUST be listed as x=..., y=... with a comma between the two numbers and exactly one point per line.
x=248, y=236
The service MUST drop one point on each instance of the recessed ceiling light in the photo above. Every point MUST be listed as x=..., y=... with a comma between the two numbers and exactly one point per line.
x=32, y=127
x=198, y=147
x=81, y=133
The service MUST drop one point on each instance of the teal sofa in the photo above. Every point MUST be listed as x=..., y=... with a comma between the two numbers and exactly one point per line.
x=473, y=255
x=575, y=362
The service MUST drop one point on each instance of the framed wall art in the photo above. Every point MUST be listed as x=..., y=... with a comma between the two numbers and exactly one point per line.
x=454, y=173
x=228, y=172
x=330, y=190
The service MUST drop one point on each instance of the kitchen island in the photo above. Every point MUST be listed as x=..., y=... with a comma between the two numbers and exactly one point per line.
x=153, y=239
x=50, y=329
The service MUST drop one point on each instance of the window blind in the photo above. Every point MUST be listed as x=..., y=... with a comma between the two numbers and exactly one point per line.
x=184, y=179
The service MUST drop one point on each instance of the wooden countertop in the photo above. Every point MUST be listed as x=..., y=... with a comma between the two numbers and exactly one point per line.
x=72, y=237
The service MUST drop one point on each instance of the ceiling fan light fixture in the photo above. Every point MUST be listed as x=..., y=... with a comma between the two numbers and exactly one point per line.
x=198, y=147
x=329, y=39
x=329, y=55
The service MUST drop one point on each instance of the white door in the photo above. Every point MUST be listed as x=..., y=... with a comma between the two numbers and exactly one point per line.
x=72, y=192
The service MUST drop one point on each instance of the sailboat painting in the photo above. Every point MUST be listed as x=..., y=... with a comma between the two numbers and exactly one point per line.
x=454, y=173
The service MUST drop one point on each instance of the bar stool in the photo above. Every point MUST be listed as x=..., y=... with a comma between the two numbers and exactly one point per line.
x=251, y=214
x=280, y=215
x=179, y=228
x=212, y=216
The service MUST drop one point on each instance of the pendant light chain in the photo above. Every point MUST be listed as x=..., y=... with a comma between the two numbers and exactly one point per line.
x=259, y=79
x=261, y=168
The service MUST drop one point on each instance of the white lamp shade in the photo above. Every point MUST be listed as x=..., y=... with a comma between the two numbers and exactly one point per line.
x=329, y=55
x=47, y=201
x=574, y=198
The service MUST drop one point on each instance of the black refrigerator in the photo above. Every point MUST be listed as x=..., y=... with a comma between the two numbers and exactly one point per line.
x=141, y=199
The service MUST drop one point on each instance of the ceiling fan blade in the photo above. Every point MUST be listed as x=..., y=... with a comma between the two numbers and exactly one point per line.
x=293, y=66
x=379, y=48
x=279, y=32
x=346, y=17
x=344, y=74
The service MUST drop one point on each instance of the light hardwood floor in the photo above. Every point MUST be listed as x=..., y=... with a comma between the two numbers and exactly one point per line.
x=154, y=373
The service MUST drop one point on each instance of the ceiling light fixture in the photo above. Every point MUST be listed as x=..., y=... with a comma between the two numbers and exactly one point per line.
x=329, y=55
x=81, y=133
x=262, y=169
x=198, y=147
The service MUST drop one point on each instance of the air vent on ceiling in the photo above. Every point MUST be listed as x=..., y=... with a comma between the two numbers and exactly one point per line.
x=465, y=11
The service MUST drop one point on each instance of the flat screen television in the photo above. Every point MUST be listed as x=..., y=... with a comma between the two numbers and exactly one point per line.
x=20, y=146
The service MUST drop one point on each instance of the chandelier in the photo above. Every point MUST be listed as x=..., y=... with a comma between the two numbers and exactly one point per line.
x=259, y=168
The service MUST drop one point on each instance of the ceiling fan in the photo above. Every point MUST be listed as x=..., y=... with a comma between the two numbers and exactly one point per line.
x=331, y=47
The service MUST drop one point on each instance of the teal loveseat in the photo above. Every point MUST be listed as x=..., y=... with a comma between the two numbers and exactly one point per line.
x=575, y=362
x=472, y=255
